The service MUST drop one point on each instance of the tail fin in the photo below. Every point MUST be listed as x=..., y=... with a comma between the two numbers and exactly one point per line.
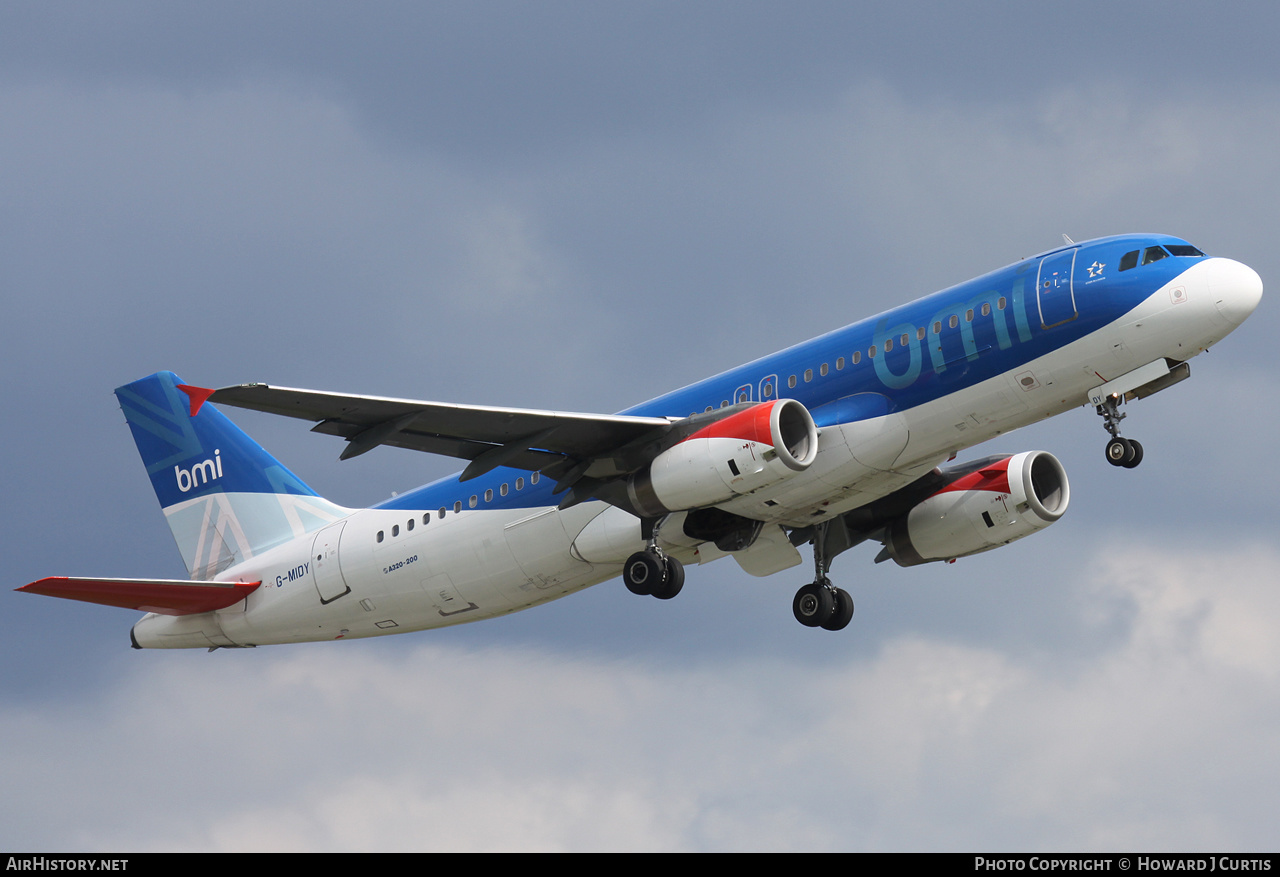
x=225, y=498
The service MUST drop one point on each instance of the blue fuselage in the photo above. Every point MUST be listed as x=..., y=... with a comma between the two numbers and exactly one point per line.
x=903, y=358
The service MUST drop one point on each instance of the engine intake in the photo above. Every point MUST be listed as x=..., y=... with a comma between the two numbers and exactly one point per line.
x=755, y=448
x=981, y=510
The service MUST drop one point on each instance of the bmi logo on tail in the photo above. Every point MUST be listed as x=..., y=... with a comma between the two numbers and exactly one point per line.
x=189, y=478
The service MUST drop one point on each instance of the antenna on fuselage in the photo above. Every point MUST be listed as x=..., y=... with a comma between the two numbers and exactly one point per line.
x=1068, y=240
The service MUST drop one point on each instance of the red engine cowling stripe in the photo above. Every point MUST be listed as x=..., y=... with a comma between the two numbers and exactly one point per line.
x=750, y=425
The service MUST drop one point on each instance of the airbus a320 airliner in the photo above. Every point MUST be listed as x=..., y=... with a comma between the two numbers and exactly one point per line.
x=833, y=442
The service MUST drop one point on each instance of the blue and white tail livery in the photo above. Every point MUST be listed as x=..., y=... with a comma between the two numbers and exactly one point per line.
x=225, y=498
x=833, y=442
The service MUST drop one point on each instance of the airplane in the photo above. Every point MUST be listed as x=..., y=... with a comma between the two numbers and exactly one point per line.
x=833, y=442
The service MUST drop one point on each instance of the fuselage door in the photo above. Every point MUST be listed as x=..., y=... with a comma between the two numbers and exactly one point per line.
x=1055, y=291
x=325, y=570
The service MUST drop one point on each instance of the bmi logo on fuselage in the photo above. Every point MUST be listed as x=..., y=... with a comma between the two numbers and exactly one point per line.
x=200, y=473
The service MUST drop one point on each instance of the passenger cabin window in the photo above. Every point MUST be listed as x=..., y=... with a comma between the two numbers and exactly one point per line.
x=954, y=321
x=823, y=370
x=808, y=375
x=857, y=357
x=840, y=363
x=888, y=344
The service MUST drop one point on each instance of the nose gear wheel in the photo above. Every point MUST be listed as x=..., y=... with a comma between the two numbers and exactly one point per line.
x=1120, y=451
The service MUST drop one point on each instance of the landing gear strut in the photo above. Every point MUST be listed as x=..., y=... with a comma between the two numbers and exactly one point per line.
x=1120, y=451
x=820, y=603
x=652, y=572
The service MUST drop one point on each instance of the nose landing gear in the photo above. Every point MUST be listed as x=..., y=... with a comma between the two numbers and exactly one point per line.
x=1120, y=451
x=1124, y=452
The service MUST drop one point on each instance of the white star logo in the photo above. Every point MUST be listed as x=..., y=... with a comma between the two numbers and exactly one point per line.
x=1095, y=270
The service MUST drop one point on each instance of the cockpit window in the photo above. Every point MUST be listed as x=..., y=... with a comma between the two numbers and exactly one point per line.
x=1153, y=254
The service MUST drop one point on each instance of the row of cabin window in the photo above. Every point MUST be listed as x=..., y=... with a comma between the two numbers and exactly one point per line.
x=457, y=506
x=856, y=357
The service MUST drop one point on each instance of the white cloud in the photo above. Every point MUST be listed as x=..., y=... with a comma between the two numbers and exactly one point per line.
x=1161, y=741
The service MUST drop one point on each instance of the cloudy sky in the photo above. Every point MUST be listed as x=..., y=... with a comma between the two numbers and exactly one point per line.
x=579, y=206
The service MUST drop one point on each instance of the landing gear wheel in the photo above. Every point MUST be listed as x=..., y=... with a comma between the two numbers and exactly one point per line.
x=672, y=582
x=842, y=613
x=1120, y=452
x=643, y=573
x=1137, y=455
x=814, y=605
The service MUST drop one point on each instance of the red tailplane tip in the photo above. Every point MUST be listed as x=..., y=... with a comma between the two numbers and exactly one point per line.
x=197, y=395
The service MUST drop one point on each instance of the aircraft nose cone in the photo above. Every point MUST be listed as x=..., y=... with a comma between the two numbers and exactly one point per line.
x=1236, y=290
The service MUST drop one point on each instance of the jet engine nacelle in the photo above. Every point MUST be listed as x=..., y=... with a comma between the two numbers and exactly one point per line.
x=981, y=510
x=755, y=448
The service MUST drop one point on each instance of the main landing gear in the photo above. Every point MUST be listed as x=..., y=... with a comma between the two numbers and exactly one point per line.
x=820, y=603
x=1120, y=451
x=652, y=572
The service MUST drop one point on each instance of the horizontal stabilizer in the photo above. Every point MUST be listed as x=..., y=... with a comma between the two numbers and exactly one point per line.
x=162, y=596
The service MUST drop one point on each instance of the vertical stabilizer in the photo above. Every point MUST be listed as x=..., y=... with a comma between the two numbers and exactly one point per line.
x=225, y=498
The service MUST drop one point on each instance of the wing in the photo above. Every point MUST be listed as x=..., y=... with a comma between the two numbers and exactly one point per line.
x=489, y=437
x=581, y=451
x=163, y=596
